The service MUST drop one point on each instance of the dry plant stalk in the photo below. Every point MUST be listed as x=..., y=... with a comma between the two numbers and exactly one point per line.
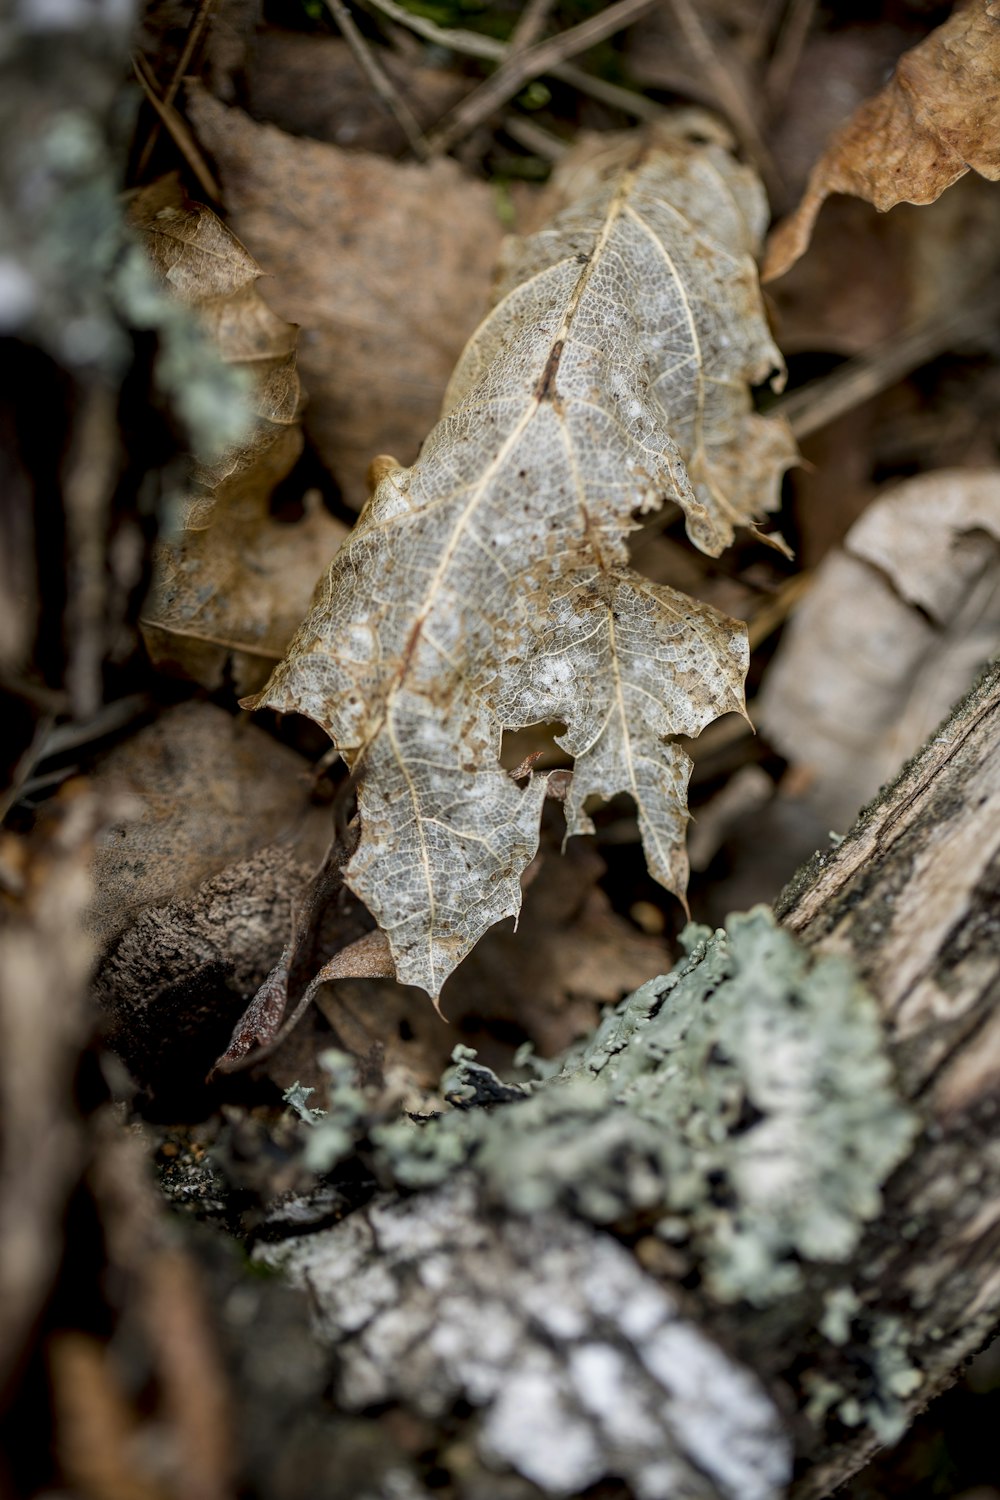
x=488, y=587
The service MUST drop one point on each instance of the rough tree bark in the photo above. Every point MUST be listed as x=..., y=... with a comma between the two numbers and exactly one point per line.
x=562, y=1355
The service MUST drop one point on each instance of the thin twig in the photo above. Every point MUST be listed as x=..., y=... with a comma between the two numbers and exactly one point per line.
x=488, y=49
x=198, y=23
x=519, y=68
x=379, y=79
x=774, y=611
x=729, y=91
x=765, y=28
x=611, y=94
x=857, y=380
x=788, y=47
x=533, y=137
x=530, y=25
x=179, y=131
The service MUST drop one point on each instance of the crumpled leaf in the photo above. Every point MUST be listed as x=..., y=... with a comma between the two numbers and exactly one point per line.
x=937, y=117
x=488, y=587
x=231, y=583
x=902, y=619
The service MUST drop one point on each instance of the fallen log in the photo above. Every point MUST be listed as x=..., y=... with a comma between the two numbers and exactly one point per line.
x=734, y=1243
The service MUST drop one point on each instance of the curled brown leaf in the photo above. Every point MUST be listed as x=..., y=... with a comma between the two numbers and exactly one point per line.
x=937, y=117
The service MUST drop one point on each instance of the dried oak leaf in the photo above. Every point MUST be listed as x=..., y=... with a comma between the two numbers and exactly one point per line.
x=488, y=587
x=231, y=582
x=938, y=115
x=386, y=265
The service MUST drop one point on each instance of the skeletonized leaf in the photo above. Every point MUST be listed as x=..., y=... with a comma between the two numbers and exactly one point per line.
x=488, y=588
x=938, y=115
x=230, y=585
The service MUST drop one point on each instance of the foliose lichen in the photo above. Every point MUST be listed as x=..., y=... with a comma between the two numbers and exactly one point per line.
x=742, y=1107
x=885, y=1374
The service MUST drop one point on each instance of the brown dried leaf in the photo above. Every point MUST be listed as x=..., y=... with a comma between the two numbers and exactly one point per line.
x=901, y=619
x=387, y=265
x=487, y=587
x=204, y=793
x=194, y=892
x=570, y=954
x=230, y=586
x=937, y=116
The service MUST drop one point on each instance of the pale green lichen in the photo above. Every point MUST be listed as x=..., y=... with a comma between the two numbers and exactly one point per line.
x=742, y=1106
x=885, y=1375
x=297, y=1097
x=336, y=1135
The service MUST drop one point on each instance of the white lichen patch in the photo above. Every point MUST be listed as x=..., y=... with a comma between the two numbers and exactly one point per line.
x=578, y=1364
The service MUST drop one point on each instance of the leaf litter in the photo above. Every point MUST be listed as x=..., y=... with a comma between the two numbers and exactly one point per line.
x=319, y=229
x=386, y=264
x=487, y=587
x=902, y=617
x=937, y=118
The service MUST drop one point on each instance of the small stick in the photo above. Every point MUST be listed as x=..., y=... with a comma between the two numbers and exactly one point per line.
x=471, y=44
x=857, y=380
x=535, y=138
x=198, y=22
x=379, y=79
x=787, y=52
x=530, y=26
x=519, y=68
x=179, y=132
x=730, y=93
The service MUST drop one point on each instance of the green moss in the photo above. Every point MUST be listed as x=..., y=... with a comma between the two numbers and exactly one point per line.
x=742, y=1106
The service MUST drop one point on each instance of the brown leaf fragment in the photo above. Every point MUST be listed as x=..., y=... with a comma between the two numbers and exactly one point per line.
x=231, y=582
x=937, y=117
x=326, y=942
x=487, y=588
x=204, y=793
x=386, y=265
x=902, y=618
x=195, y=889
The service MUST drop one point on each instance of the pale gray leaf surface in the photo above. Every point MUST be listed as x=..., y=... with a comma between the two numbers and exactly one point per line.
x=487, y=587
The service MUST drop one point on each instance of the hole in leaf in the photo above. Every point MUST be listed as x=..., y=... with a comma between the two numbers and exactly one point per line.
x=535, y=739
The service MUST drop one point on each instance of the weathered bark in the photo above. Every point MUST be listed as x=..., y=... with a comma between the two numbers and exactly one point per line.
x=912, y=896
x=538, y=1343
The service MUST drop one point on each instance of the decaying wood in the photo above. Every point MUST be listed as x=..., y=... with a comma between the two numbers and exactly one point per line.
x=912, y=896
x=581, y=1360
